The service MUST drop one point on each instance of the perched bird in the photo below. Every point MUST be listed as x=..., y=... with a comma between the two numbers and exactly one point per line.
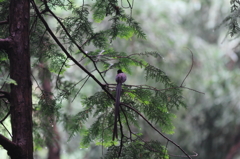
x=120, y=78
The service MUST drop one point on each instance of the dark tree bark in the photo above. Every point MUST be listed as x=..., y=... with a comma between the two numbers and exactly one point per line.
x=21, y=94
x=53, y=145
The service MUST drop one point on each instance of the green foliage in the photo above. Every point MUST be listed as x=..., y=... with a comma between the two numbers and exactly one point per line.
x=122, y=26
x=156, y=106
x=43, y=49
x=39, y=139
x=3, y=56
x=159, y=76
x=138, y=149
x=77, y=25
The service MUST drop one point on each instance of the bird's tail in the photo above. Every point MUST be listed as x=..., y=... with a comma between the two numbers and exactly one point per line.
x=118, y=92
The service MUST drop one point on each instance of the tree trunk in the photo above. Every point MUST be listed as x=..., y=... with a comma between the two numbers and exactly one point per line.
x=52, y=141
x=21, y=94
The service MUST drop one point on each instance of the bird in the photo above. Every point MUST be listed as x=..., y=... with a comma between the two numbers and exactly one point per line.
x=120, y=79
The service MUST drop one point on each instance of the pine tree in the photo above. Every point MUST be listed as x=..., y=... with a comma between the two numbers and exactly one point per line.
x=26, y=32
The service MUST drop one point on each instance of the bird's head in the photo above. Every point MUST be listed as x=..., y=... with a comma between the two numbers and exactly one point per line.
x=119, y=71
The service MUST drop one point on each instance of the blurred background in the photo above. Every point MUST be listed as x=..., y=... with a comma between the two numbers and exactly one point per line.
x=210, y=125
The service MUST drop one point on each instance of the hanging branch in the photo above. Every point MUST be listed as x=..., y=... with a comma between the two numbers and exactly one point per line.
x=189, y=70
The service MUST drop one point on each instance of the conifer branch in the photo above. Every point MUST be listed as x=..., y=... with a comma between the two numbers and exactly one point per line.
x=157, y=130
x=67, y=53
x=147, y=145
x=70, y=37
x=154, y=88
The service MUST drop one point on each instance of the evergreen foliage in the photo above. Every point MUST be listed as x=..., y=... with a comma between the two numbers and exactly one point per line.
x=232, y=19
x=138, y=149
x=75, y=33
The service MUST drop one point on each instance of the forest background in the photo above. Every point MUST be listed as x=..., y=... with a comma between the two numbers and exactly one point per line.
x=210, y=124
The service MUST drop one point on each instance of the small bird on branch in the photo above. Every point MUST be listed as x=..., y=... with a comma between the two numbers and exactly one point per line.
x=120, y=78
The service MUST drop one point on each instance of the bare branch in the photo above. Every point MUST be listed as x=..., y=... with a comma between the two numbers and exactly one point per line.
x=189, y=70
x=3, y=22
x=6, y=129
x=195, y=155
x=81, y=87
x=1, y=121
x=7, y=144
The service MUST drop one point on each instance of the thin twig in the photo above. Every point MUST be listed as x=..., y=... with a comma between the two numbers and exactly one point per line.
x=189, y=70
x=37, y=83
x=81, y=87
x=6, y=129
x=195, y=155
x=166, y=146
x=60, y=72
x=1, y=122
x=126, y=122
